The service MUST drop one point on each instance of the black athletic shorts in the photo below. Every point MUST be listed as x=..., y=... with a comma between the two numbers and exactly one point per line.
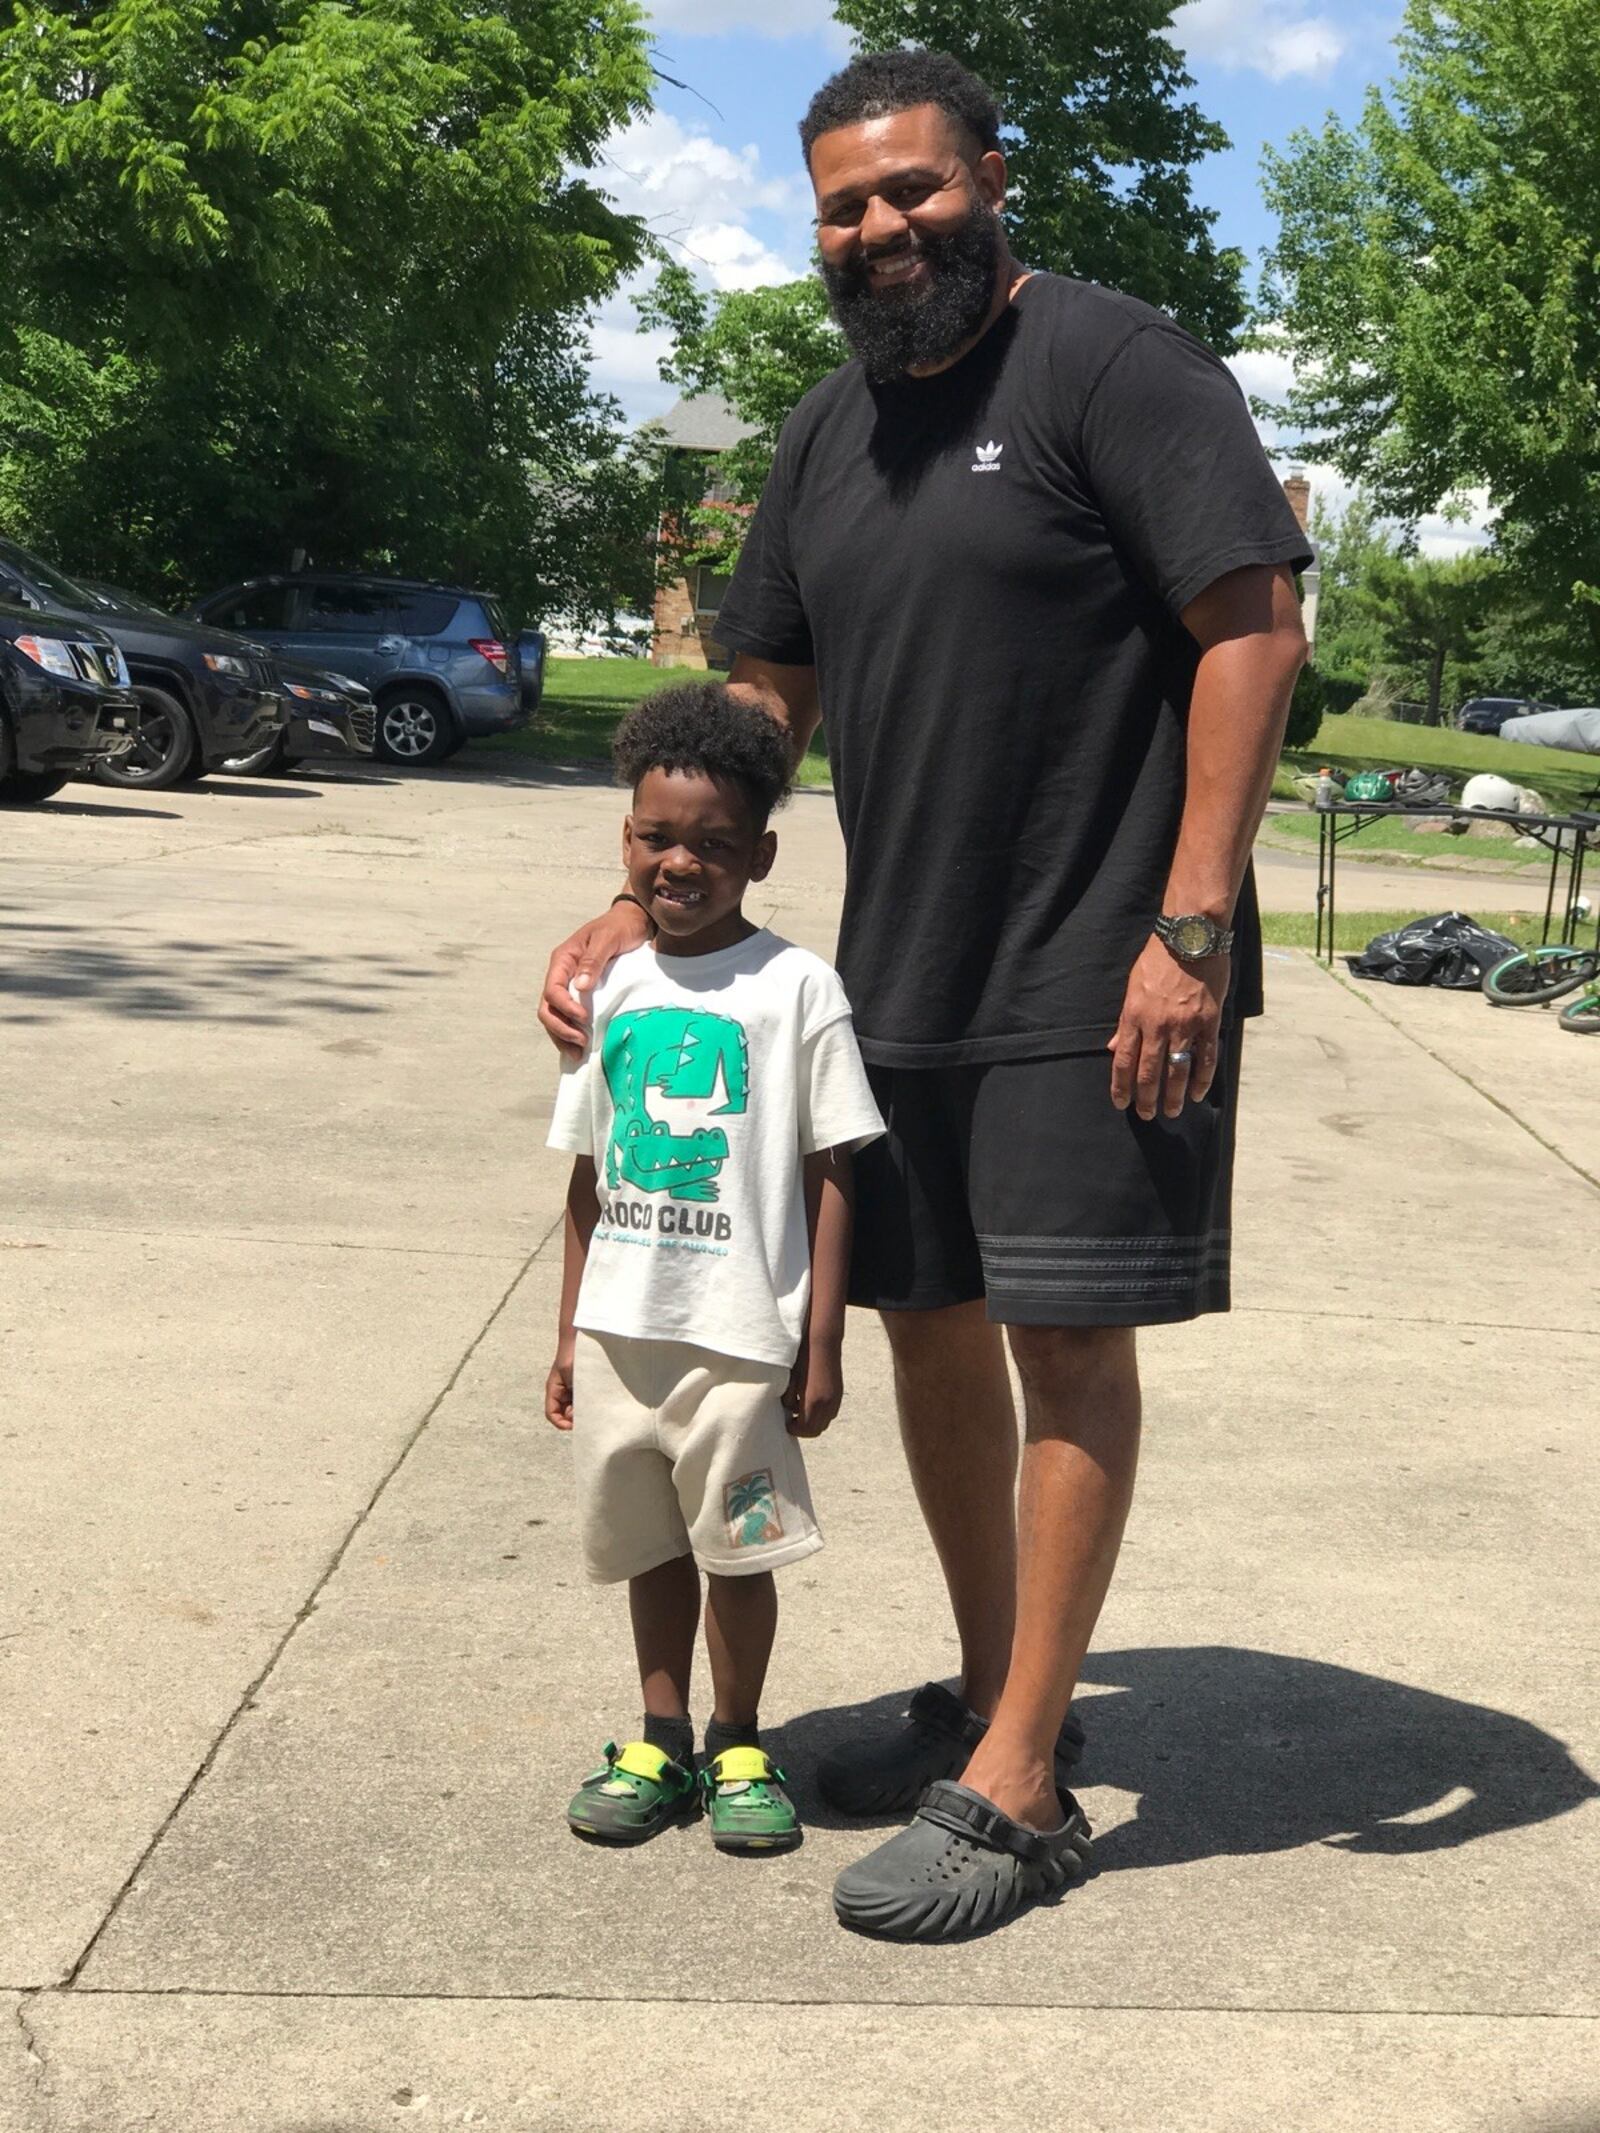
x=1022, y=1183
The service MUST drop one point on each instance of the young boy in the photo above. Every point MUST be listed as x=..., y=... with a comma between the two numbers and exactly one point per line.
x=707, y=1250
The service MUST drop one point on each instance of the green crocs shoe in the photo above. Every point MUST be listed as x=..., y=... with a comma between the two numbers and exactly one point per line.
x=637, y=1793
x=749, y=1810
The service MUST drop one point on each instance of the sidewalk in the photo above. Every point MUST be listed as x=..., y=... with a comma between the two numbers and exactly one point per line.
x=300, y=1667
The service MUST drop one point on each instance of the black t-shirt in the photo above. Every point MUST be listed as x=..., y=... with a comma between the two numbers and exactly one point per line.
x=986, y=569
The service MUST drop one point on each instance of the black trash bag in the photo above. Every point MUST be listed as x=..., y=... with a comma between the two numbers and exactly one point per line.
x=1450, y=950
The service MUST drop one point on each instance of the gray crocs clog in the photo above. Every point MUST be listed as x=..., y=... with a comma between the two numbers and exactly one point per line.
x=960, y=1868
x=935, y=1740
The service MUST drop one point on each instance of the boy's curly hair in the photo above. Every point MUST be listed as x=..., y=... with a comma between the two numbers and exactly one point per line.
x=699, y=726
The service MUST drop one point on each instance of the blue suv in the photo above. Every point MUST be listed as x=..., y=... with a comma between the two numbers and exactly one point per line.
x=438, y=658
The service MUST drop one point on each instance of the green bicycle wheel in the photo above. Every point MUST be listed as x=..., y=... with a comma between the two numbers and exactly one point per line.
x=1538, y=975
x=1583, y=1016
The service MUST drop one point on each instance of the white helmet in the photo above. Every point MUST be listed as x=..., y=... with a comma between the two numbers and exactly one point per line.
x=1489, y=790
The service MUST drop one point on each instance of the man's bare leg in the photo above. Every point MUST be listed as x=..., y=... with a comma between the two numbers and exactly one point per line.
x=959, y=1427
x=1081, y=1405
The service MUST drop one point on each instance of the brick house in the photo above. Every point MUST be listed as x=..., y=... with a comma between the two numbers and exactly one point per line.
x=684, y=622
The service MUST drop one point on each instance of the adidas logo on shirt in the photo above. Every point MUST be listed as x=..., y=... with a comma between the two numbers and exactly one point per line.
x=988, y=459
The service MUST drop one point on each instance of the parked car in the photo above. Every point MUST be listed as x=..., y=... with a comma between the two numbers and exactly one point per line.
x=202, y=696
x=1487, y=714
x=438, y=659
x=65, y=703
x=325, y=714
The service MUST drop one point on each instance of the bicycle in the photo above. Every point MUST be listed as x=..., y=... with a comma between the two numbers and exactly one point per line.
x=1582, y=1018
x=1538, y=976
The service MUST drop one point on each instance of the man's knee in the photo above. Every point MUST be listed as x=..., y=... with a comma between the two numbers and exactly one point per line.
x=1063, y=1367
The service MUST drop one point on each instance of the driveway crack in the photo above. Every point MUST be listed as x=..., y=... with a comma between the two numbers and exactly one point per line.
x=38, y=2064
x=307, y=1607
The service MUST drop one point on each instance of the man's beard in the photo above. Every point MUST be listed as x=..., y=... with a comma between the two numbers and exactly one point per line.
x=892, y=331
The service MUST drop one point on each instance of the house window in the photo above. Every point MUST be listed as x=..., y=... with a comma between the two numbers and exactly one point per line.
x=709, y=587
x=719, y=490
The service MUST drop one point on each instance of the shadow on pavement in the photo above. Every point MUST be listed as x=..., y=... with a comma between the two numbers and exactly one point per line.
x=102, y=814
x=51, y=967
x=1237, y=1751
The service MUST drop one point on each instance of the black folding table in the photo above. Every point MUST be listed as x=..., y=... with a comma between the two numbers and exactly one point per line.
x=1565, y=835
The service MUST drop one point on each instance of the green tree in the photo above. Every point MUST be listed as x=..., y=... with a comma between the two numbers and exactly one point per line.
x=1428, y=618
x=291, y=276
x=1350, y=544
x=1102, y=141
x=1436, y=280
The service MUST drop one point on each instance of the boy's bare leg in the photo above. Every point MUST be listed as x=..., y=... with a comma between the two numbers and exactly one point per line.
x=741, y=1623
x=665, y=1606
x=1081, y=1403
x=959, y=1427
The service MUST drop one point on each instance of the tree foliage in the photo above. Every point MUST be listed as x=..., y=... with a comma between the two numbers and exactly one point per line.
x=1393, y=626
x=1102, y=139
x=1437, y=281
x=314, y=276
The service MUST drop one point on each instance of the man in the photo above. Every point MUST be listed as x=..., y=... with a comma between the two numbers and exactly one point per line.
x=1027, y=552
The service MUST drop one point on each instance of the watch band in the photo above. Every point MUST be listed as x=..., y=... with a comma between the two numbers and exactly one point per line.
x=1192, y=935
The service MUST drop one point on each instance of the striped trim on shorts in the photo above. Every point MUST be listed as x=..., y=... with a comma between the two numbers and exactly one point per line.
x=1019, y=1182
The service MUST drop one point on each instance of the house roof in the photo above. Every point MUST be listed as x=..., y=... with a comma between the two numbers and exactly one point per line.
x=702, y=422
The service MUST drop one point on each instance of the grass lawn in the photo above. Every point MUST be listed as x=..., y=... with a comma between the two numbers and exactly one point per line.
x=1298, y=929
x=586, y=699
x=1385, y=744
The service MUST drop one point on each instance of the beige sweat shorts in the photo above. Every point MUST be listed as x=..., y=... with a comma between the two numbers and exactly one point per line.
x=677, y=1451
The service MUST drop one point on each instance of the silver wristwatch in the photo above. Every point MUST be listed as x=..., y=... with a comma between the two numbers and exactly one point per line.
x=1192, y=936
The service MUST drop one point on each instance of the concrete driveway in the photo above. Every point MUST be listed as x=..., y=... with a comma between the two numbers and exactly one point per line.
x=298, y=1667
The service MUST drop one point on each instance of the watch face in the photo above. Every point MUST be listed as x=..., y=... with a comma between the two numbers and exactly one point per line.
x=1191, y=936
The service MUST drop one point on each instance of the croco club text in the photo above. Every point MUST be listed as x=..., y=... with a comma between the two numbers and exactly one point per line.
x=673, y=1218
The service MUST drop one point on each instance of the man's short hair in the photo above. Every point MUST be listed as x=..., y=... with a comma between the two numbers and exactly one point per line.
x=699, y=726
x=879, y=83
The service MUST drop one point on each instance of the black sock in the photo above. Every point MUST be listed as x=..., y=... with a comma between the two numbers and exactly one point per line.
x=719, y=1736
x=673, y=1736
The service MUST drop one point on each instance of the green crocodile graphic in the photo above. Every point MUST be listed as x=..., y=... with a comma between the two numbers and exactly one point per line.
x=676, y=1052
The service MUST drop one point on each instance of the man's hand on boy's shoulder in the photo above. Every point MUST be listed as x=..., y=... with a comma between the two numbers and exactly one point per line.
x=816, y=1388
x=558, y=1390
x=577, y=967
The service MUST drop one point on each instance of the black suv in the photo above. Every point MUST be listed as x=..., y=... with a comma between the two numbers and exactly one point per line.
x=203, y=697
x=439, y=658
x=65, y=704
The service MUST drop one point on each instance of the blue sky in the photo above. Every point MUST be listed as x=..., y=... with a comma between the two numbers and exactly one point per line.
x=716, y=168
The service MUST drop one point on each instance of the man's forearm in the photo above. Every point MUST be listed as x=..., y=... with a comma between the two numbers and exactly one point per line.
x=787, y=694
x=1236, y=720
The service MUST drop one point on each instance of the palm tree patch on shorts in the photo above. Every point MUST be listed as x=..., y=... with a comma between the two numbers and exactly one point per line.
x=750, y=1506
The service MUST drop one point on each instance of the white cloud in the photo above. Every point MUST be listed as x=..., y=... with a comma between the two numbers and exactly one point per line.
x=700, y=197
x=759, y=18
x=1238, y=33
x=733, y=224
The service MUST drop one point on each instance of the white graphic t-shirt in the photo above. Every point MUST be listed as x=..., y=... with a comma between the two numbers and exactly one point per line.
x=707, y=1078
